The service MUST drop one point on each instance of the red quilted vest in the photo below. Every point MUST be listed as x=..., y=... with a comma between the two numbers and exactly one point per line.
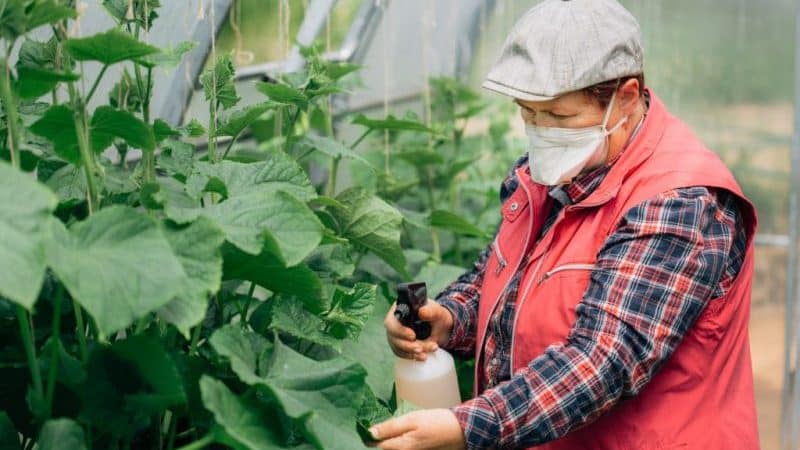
x=702, y=397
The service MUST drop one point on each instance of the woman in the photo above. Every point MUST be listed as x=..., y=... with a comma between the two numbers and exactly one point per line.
x=611, y=310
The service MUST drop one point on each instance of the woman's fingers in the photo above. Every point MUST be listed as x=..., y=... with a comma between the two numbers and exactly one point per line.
x=393, y=428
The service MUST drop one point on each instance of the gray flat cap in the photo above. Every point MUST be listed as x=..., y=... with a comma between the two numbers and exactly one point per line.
x=561, y=46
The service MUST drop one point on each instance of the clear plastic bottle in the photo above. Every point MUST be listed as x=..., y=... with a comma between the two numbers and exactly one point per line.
x=424, y=384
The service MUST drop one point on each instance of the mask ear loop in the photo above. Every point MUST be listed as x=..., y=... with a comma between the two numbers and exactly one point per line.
x=608, y=114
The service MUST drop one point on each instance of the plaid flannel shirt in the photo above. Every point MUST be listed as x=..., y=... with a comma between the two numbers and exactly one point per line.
x=686, y=247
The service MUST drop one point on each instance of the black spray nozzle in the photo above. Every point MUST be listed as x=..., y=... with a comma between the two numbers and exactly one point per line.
x=410, y=297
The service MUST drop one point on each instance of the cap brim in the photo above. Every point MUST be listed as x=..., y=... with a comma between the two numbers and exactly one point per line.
x=516, y=93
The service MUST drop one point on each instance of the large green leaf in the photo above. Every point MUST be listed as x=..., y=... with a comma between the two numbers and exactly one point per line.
x=61, y=434
x=278, y=172
x=291, y=317
x=372, y=351
x=286, y=225
x=9, y=439
x=390, y=123
x=247, y=352
x=109, y=47
x=447, y=220
x=12, y=19
x=108, y=123
x=197, y=247
x=372, y=223
x=177, y=157
x=167, y=58
x=218, y=82
x=331, y=147
x=350, y=310
x=265, y=269
x=34, y=82
x=43, y=12
x=25, y=214
x=324, y=395
x=117, y=264
x=58, y=126
x=245, y=420
x=283, y=93
x=237, y=121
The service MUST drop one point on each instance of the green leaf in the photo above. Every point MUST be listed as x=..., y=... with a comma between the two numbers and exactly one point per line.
x=421, y=156
x=278, y=172
x=117, y=264
x=339, y=70
x=218, y=82
x=108, y=123
x=177, y=157
x=350, y=310
x=331, y=147
x=168, y=58
x=197, y=247
x=69, y=183
x=290, y=317
x=194, y=129
x=282, y=93
x=372, y=223
x=267, y=270
x=390, y=123
x=144, y=12
x=38, y=54
x=244, y=420
x=58, y=126
x=247, y=351
x=287, y=226
x=334, y=259
x=9, y=439
x=324, y=395
x=237, y=121
x=373, y=353
x=128, y=382
x=447, y=220
x=372, y=412
x=162, y=130
x=438, y=276
x=109, y=47
x=61, y=434
x=25, y=213
x=34, y=82
x=12, y=19
x=48, y=11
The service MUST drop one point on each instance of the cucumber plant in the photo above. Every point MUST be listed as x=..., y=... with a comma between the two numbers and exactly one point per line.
x=216, y=295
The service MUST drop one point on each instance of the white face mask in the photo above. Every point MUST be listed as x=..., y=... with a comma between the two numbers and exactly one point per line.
x=558, y=155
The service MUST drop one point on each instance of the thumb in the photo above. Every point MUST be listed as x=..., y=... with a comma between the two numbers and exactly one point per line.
x=430, y=312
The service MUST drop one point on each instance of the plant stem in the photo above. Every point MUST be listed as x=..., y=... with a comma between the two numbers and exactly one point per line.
x=229, y=147
x=200, y=443
x=96, y=82
x=195, y=339
x=51, y=374
x=360, y=138
x=432, y=206
x=79, y=114
x=30, y=350
x=247, y=303
x=10, y=106
x=333, y=176
x=172, y=428
x=290, y=129
x=81, y=331
x=212, y=130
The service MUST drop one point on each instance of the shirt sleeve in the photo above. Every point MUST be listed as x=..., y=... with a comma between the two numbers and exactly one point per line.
x=653, y=278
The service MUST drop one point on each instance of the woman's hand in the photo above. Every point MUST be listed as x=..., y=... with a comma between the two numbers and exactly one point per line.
x=402, y=339
x=430, y=429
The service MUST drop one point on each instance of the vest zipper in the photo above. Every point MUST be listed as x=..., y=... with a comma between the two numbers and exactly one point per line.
x=564, y=268
x=500, y=259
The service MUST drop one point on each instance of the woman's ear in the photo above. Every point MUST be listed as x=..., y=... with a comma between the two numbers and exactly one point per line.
x=628, y=96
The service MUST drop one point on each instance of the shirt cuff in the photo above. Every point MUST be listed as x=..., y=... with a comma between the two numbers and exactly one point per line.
x=479, y=422
x=460, y=342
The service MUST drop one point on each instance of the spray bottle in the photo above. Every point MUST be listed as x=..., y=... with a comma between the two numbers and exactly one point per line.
x=424, y=384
